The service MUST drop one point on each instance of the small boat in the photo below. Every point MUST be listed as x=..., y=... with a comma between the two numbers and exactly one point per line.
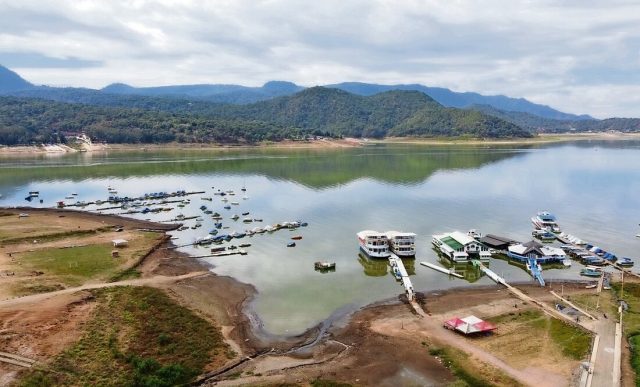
x=235, y=203
x=257, y=219
x=591, y=286
x=209, y=199
x=227, y=207
x=544, y=235
x=566, y=262
x=245, y=245
x=291, y=244
x=245, y=213
x=590, y=272
x=235, y=217
x=218, y=249
x=247, y=220
x=625, y=262
x=297, y=237
x=324, y=265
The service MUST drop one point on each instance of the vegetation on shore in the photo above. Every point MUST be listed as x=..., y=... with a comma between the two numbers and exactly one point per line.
x=137, y=336
x=631, y=321
x=316, y=111
x=469, y=374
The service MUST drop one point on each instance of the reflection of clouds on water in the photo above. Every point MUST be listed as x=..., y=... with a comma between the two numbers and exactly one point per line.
x=593, y=193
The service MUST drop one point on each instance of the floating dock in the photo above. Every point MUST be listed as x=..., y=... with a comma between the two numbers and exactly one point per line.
x=401, y=273
x=441, y=269
x=535, y=270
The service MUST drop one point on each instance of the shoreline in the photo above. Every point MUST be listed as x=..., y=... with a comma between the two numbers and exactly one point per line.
x=17, y=151
x=320, y=349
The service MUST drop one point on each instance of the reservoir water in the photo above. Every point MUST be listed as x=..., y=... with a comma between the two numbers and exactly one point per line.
x=592, y=187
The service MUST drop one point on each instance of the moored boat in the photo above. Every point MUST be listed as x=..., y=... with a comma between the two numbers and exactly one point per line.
x=545, y=221
x=403, y=244
x=373, y=243
x=590, y=272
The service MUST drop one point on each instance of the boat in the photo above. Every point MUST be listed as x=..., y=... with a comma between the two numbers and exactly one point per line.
x=373, y=243
x=591, y=286
x=324, y=265
x=235, y=217
x=247, y=220
x=297, y=237
x=257, y=230
x=245, y=213
x=625, y=262
x=544, y=235
x=566, y=262
x=475, y=234
x=590, y=272
x=403, y=244
x=545, y=221
x=235, y=203
x=227, y=207
x=257, y=219
x=291, y=244
x=245, y=245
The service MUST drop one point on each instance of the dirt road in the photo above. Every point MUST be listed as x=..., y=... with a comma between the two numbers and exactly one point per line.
x=151, y=281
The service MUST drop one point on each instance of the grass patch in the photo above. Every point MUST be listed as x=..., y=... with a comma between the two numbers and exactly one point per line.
x=23, y=289
x=129, y=273
x=575, y=342
x=73, y=265
x=137, y=336
x=469, y=373
x=571, y=340
x=51, y=236
x=631, y=321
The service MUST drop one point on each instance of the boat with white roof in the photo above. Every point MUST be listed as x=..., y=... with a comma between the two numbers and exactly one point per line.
x=403, y=244
x=545, y=221
x=373, y=243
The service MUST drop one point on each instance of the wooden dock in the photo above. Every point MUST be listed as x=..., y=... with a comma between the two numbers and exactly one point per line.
x=441, y=269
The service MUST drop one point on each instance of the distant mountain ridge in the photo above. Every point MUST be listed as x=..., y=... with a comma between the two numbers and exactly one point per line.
x=11, y=83
x=462, y=100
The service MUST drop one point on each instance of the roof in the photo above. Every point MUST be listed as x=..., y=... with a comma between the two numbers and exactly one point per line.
x=495, y=240
x=454, y=244
x=119, y=241
x=393, y=234
x=526, y=248
x=470, y=324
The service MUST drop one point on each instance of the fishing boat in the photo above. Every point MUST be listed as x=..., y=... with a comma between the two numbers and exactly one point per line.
x=591, y=286
x=324, y=265
x=245, y=245
x=545, y=221
x=247, y=220
x=235, y=217
x=403, y=244
x=235, y=203
x=373, y=243
x=297, y=237
x=590, y=272
x=291, y=244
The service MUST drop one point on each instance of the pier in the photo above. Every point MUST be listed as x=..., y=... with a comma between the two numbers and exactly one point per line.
x=401, y=273
x=441, y=269
x=535, y=270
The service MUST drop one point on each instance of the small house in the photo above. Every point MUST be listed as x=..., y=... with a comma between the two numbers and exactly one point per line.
x=532, y=249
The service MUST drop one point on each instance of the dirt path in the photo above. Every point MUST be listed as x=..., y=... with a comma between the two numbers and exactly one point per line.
x=432, y=327
x=151, y=281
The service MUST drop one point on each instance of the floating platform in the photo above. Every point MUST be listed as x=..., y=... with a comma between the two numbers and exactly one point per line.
x=441, y=269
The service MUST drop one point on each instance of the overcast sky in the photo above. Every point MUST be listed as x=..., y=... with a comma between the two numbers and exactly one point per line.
x=579, y=56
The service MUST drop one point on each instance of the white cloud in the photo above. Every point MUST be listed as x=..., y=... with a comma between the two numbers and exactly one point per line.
x=578, y=56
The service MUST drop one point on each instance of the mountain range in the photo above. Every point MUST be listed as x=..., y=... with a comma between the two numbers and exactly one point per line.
x=277, y=110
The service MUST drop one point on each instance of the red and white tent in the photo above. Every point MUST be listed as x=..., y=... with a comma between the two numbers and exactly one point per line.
x=469, y=324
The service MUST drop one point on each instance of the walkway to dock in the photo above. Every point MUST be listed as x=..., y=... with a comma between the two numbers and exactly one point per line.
x=535, y=270
x=400, y=272
x=441, y=269
x=518, y=293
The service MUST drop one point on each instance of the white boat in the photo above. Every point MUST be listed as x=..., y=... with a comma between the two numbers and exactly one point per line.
x=545, y=221
x=566, y=262
x=403, y=244
x=373, y=243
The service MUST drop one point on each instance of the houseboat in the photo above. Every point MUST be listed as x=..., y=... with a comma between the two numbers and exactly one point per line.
x=545, y=221
x=459, y=247
x=403, y=244
x=522, y=252
x=373, y=243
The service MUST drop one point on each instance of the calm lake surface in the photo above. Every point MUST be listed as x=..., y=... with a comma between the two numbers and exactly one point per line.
x=592, y=187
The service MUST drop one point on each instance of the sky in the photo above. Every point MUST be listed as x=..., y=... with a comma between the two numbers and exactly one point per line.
x=578, y=56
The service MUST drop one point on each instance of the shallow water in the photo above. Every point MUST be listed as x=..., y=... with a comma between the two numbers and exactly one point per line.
x=592, y=187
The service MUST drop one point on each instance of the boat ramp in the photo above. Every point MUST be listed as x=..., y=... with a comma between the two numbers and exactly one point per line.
x=536, y=270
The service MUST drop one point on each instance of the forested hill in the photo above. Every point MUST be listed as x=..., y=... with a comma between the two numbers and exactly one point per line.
x=317, y=110
x=537, y=124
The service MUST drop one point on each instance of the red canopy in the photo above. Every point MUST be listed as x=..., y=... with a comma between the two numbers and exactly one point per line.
x=470, y=324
